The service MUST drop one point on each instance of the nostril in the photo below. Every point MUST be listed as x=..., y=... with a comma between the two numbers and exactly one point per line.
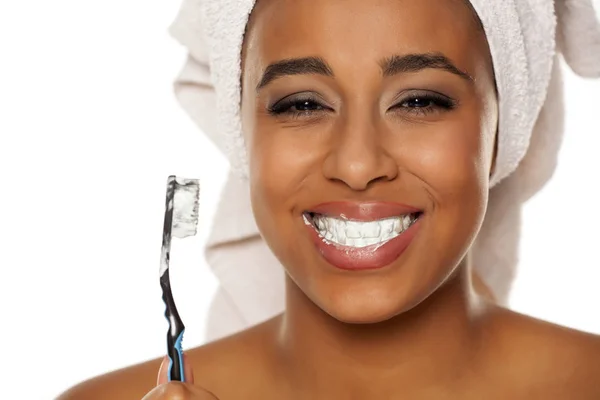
x=383, y=178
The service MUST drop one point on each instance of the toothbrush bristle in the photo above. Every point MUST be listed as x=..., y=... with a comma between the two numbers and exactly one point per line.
x=185, y=207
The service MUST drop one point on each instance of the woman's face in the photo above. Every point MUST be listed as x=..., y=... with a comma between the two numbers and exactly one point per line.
x=370, y=129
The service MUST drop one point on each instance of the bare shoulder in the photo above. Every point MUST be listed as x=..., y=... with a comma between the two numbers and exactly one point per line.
x=213, y=365
x=551, y=358
x=248, y=356
x=127, y=383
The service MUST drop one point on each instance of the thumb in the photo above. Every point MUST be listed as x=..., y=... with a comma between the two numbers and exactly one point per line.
x=163, y=372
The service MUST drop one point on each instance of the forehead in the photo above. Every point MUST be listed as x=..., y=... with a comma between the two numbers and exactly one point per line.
x=359, y=30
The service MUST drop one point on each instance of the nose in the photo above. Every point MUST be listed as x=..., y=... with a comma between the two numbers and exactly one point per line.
x=358, y=157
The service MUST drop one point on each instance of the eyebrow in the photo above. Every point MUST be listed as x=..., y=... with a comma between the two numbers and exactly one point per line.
x=390, y=66
x=294, y=66
x=416, y=62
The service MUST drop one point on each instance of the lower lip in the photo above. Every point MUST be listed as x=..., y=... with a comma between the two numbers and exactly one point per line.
x=364, y=258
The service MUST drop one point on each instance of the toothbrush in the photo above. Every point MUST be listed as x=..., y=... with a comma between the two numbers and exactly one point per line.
x=181, y=220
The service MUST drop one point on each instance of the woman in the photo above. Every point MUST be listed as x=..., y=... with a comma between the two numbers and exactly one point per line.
x=372, y=134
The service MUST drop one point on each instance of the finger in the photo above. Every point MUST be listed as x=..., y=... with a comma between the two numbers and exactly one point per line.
x=179, y=391
x=163, y=372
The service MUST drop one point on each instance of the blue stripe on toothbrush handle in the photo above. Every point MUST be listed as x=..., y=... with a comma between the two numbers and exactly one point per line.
x=177, y=360
x=180, y=355
x=176, y=371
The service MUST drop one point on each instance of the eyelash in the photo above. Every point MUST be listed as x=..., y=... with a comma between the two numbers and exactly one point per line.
x=284, y=107
x=432, y=103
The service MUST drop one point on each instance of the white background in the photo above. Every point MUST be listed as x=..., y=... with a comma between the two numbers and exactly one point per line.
x=89, y=131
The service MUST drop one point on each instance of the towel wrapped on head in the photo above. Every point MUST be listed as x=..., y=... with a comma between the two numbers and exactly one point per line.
x=526, y=39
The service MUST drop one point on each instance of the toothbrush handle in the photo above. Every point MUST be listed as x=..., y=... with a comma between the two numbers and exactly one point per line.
x=175, y=333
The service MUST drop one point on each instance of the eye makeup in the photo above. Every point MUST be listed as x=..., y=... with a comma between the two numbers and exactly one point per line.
x=416, y=102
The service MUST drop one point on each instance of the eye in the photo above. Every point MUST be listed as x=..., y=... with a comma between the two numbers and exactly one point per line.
x=418, y=102
x=425, y=103
x=297, y=106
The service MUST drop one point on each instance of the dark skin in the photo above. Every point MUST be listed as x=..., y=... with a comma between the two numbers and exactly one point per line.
x=415, y=329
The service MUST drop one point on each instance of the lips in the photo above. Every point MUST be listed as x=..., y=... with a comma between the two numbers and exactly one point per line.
x=369, y=257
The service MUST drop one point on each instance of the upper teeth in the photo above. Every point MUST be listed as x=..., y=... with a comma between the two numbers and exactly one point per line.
x=361, y=234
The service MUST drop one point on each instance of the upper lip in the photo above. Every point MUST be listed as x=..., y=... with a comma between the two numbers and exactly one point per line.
x=362, y=211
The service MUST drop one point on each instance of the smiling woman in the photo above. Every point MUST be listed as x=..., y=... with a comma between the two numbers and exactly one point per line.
x=404, y=131
x=372, y=134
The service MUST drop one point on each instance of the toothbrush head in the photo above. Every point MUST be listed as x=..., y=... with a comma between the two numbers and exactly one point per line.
x=181, y=214
x=185, y=209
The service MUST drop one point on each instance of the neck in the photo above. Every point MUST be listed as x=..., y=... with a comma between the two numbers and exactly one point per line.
x=431, y=343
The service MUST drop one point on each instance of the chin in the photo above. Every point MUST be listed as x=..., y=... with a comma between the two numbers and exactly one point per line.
x=364, y=317
x=368, y=308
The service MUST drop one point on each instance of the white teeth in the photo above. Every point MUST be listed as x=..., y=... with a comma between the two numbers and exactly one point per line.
x=371, y=230
x=340, y=231
x=387, y=226
x=320, y=224
x=398, y=225
x=361, y=234
x=353, y=229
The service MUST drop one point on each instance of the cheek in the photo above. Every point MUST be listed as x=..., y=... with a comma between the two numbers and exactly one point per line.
x=276, y=159
x=450, y=157
x=448, y=160
x=281, y=159
x=279, y=165
x=455, y=164
x=276, y=167
x=452, y=161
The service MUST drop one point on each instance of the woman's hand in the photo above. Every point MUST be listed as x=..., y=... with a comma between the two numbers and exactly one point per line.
x=177, y=390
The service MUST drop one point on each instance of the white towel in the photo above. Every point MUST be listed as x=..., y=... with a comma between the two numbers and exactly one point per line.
x=525, y=37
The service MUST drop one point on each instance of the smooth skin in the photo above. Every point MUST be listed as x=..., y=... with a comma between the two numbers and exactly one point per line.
x=414, y=329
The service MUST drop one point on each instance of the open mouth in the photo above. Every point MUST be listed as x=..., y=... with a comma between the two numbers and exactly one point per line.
x=357, y=234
